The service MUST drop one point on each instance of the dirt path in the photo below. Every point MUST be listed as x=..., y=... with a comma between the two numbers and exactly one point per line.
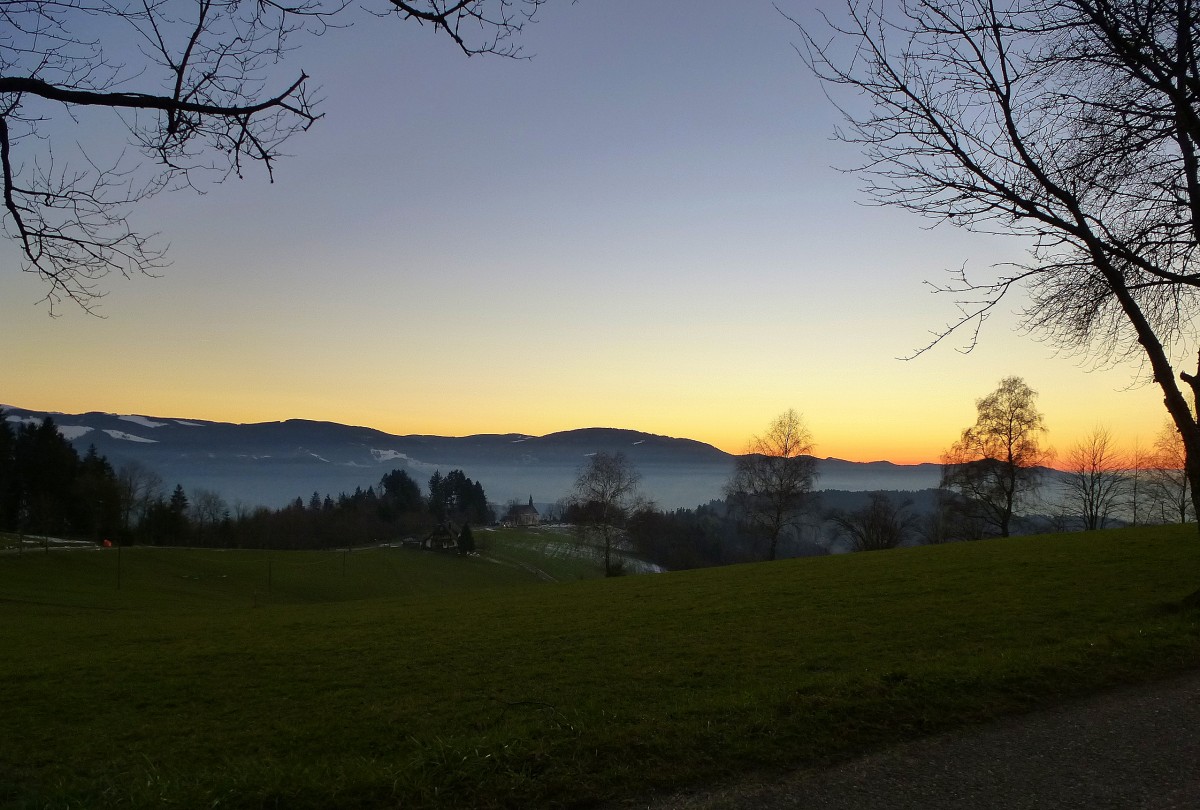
x=1138, y=747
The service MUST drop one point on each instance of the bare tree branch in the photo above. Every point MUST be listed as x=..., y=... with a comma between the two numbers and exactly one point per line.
x=195, y=82
x=1072, y=124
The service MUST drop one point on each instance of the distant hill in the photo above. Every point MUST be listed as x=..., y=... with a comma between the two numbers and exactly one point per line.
x=271, y=463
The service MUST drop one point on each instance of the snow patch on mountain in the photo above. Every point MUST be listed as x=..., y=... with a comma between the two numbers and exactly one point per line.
x=186, y=423
x=68, y=432
x=129, y=437
x=72, y=432
x=389, y=455
x=143, y=421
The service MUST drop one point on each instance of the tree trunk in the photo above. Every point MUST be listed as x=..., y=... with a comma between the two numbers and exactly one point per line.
x=1189, y=430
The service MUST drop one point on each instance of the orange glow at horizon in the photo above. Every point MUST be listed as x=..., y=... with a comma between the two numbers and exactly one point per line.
x=847, y=442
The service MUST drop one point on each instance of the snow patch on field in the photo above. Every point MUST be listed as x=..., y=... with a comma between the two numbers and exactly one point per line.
x=143, y=421
x=583, y=552
x=556, y=542
x=129, y=437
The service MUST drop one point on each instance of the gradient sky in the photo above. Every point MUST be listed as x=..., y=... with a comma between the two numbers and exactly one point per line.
x=640, y=227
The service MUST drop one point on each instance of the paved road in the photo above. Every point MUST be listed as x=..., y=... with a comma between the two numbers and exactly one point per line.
x=1134, y=748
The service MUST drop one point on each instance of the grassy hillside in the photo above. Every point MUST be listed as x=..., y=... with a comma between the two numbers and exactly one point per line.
x=550, y=552
x=192, y=579
x=439, y=686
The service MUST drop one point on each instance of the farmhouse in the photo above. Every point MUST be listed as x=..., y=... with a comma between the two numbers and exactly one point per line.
x=443, y=538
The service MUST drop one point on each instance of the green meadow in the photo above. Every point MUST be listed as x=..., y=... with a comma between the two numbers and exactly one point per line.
x=397, y=678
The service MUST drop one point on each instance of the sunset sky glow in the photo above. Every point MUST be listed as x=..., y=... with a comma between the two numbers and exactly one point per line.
x=641, y=227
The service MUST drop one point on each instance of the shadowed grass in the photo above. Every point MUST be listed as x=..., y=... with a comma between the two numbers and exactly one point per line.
x=455, y=694
x=165, y=578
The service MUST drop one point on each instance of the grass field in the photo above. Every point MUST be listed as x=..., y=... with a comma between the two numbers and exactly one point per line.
x=408, y=680
x=550, y=552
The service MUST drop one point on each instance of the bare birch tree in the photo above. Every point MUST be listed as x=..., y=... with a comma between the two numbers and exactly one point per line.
x=993, y=467
x=605, y=497
x=773, y=482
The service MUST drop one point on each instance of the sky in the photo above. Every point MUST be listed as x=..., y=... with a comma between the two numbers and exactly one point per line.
x=643, y=226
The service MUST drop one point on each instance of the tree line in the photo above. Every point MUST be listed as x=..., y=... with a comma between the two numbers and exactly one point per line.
x=998, y=470
x=1073, y=126
x=994, y=483
x=765, y=503
x=48, y=489
x=393, y=510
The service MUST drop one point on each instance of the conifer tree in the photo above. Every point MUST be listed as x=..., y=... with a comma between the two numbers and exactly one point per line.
x=466, y=541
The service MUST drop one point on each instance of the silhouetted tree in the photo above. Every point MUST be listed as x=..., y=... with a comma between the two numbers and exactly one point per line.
x=437, y=499
x=139, y=488
x=46, y=466
x=199, y=87
x=97, y=498
x=882, y=524
x=1075, y=125
x=401, y=492
x=179, y=500
x=206, y=511
x=993, y=466
x=604, y=498
x=47, y=489
x=1096, y=483
x=456, y=497
x=1137, y=475
x=466, y=540
x=1169, y=480
x=175, y=526
x=771, y=484
x=9, y=488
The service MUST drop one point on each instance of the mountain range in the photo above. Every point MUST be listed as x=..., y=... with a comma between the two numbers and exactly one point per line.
x=271, y=463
